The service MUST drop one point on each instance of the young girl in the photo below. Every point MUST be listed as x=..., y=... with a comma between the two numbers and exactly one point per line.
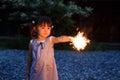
x=41, y=63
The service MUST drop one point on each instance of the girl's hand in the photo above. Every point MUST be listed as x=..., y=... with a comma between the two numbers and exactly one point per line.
x=71, y=38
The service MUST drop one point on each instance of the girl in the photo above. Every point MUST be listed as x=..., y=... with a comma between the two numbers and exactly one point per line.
x=41, y=63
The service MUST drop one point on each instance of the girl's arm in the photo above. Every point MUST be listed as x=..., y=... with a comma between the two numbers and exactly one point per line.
x=29, y=61
x=61, y=39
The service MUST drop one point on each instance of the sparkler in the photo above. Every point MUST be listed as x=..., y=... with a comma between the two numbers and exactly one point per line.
x=79, y=42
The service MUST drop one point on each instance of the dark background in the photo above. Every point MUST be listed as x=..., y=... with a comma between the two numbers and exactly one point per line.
x=105, y=19
x=104, y=22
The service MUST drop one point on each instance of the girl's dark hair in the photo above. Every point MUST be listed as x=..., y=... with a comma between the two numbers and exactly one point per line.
x=44, y=20
x=40, y=20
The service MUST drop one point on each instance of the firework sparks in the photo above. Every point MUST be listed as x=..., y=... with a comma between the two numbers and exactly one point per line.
x=79, y=42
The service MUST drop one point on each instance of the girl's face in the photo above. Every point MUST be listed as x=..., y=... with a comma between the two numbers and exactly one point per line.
x=44, y=30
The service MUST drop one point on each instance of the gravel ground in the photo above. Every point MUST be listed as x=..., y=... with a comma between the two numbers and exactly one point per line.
x=92, y=65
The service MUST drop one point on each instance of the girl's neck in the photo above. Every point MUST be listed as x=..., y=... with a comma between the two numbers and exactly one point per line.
x=40, y=38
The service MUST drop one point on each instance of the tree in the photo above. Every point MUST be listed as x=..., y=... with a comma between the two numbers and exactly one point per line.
x=20, y=11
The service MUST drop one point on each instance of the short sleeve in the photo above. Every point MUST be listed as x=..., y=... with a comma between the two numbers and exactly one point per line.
x=51, y=37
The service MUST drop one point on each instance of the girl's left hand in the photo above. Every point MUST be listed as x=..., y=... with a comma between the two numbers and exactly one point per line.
x=71, y=38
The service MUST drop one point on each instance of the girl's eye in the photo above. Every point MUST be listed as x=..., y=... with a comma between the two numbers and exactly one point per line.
x=48, y=27
x=42, y=27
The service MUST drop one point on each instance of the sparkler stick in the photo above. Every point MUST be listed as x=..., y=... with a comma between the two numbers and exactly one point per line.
x=79, y=42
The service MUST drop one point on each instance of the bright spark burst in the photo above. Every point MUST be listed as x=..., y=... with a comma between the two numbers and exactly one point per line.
x=79, y=42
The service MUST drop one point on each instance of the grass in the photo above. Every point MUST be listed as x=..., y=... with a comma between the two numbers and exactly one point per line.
x=99, y=46
x=22, y=43
x=93, y=46
x=19, y=42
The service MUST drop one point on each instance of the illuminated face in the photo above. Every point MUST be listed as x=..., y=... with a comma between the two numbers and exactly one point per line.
x=44, y=30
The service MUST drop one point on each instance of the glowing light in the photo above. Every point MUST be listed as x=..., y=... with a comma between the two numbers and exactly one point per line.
x=79, y=42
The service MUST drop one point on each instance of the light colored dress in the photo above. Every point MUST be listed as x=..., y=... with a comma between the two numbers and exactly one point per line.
x=43, y=64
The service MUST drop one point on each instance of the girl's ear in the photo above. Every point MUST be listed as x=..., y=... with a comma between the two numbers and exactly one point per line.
x=52, y=32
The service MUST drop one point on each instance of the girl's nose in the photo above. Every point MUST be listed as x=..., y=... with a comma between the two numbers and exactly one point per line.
x=45, y=30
